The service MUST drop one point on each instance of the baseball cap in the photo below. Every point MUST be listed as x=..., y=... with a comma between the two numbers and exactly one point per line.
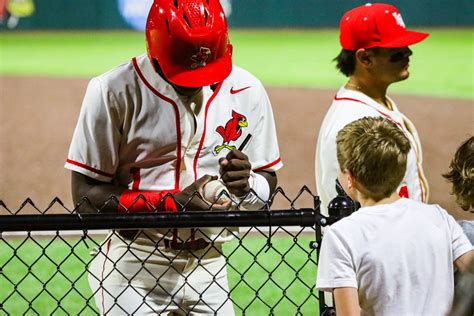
x=376, y=25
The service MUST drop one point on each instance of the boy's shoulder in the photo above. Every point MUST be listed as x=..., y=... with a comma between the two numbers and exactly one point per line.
x=386, y=214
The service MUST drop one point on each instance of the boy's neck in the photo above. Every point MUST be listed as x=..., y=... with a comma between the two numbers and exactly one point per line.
x=365, y=201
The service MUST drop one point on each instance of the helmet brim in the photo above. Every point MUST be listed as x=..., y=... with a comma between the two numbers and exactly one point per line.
x=213, y=72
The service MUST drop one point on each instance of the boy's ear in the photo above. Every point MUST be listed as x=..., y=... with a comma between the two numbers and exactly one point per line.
x=351, y=182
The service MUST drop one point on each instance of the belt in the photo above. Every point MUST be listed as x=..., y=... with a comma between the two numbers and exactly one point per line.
x=191, y=245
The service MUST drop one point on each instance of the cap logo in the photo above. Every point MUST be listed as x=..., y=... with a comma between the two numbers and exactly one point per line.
x=398, y=19
x=200, y=59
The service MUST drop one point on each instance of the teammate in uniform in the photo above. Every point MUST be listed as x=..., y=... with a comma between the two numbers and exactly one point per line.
x=164, y=124
x=394, y=256
x=374, y=55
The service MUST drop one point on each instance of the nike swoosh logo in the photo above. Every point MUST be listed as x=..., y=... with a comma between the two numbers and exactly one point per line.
x=232, y=91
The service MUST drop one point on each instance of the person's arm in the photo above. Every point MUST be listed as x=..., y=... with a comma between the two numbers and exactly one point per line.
x=90, y=195
x=93, y=196
x=463, y=262
x=236, y=173
x=235, y=170
x=346, y=300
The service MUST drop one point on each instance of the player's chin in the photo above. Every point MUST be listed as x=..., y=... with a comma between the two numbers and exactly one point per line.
x=403, y=75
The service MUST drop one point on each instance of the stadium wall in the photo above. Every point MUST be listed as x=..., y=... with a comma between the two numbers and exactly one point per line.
x=105, y=14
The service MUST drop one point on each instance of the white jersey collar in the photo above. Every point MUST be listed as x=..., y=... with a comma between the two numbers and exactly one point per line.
x=348, y=94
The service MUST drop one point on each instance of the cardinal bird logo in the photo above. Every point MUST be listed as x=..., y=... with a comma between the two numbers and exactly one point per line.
x=231, y=132
x=201, y=57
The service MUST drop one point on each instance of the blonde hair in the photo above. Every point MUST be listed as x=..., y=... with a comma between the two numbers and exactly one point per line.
x=375, y=151
x=461, y=175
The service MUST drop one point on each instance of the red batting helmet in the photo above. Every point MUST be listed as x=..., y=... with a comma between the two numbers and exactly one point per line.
x=190, y=42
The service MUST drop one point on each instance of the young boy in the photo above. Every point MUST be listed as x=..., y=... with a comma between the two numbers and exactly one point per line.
x=461, y=177
x=394, y=256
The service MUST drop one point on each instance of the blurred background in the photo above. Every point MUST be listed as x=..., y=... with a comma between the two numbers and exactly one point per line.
x=120, y=14
x=50, y=49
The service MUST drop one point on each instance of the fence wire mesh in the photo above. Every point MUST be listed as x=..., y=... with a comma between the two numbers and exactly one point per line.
x=56, y=261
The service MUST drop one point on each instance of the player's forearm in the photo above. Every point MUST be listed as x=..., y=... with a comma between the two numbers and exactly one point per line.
x=464, y=262
x=91, y=196
x=271, y=178
x=262, y=185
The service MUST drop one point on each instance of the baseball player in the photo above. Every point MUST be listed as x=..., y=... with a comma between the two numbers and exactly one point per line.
x=378, y=261
x=374, y=55
x=166, y=123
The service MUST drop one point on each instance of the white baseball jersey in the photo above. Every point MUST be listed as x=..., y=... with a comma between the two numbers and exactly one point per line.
x=348, y=106
x=398, y=268
x=136, y=131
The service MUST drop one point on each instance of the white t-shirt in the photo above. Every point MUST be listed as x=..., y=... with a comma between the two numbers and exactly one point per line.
x=348, y=106
x=399, y=256
x=135, y=130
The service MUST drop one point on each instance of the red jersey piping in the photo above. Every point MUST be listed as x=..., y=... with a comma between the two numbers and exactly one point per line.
x=201, y=142
x=178, y=124
x=102, y=274
x=271, y=164
x=136, y=179
x=105, y=174
x=381, y=113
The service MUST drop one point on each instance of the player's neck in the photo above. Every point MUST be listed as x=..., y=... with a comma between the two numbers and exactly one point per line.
x=376, y=92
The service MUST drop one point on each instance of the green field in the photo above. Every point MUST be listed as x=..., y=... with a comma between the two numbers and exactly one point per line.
x=442, y=65
x=50, y=273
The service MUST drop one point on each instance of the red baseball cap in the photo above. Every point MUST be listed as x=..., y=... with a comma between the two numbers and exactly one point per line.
x=376, y=25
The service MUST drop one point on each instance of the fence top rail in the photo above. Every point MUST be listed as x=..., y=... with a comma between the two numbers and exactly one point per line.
x=300, y=217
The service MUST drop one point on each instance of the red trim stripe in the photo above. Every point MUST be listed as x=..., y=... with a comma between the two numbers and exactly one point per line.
x=271, y=164
x=359, y=101
x=348, y=99
x=201, y=142
x=136, y=179
x=178, y=125
x=102, y=276
x=72, y=162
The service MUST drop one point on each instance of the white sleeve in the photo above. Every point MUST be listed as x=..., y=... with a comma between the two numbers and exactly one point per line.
x=459, y=240
x=335, y=267
x=95, y=143
x=262, y=149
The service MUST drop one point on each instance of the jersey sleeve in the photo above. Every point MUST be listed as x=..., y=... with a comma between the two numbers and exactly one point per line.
x=459, y=240
x=95, y=143
x=263, y=150
x=335, y=267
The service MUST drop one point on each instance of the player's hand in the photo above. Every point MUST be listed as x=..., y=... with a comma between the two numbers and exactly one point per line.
x=235, y=172
x=192, y=202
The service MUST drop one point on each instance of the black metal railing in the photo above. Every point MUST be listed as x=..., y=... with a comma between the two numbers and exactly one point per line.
x=254, y=262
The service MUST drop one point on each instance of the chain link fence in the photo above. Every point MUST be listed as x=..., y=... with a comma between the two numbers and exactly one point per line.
x=57, y=261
